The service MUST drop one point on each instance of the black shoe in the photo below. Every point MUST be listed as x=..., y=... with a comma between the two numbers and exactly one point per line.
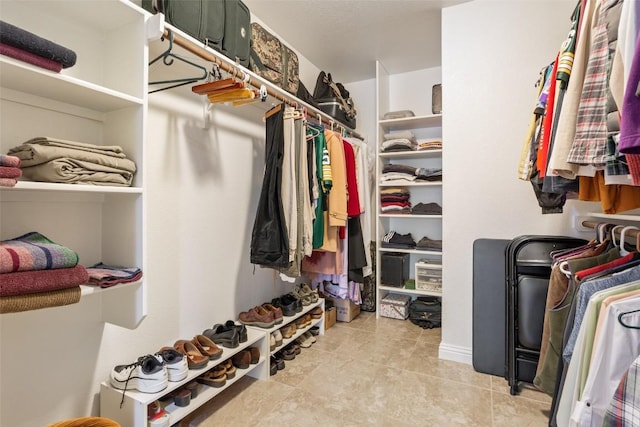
x=278, y=360
x=288, y=306
x=226, y=337
x=315, y=331
x=273, y=368
x=291, y=298
x=241, y=329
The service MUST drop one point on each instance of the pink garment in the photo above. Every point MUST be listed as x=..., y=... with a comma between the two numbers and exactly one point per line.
x=11, y=161
x=630, y=120
x=8, y=182
x=30, y=58
x=35, y=281
x=10, y=172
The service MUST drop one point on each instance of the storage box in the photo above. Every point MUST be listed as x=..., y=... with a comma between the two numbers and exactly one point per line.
x=428, y=276
x=346, y=310
x=394, y=269
x=395, y=306
x=329, y=317
x=436, y=99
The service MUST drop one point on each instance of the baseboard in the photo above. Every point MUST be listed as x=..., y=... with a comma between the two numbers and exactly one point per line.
x=455, y=353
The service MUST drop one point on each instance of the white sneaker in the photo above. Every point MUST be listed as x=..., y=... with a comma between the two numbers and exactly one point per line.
x=272, y=342
x=176, y=363
x=147, y=375
x=277, y=335
x=303, y=341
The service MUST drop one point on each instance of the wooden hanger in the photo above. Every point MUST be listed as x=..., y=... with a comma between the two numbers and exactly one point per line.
x=273, y=111
x=206, y=88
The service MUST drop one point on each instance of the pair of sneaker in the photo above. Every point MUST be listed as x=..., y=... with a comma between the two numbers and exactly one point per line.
x=306, y=340
x=305, y=294
x=275, y=339
x=150, y=373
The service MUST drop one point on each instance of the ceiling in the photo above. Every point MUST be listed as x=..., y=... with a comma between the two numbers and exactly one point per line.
x=346, y=37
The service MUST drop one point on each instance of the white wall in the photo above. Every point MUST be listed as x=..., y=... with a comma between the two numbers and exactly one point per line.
x=492, y=52
x=202, y=189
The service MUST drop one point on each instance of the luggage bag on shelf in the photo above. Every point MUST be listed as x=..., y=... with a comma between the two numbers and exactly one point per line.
x=273, y=60
x=223, y=25
x=333, y=99
x=528, y=269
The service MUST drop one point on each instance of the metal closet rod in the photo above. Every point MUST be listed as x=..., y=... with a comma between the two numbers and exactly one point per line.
x=236, y=71
x=629, y=233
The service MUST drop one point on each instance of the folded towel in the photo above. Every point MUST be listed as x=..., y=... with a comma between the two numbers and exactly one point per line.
x=108, y=150
x=404, y=134
x=29, y=58
x=33, y=251
x=72, y=171
x=108, y=275
x=60, y=297
x=25, y=40
x=30, y=282
x=11, y=161
x=10, y=172
x=8, y=182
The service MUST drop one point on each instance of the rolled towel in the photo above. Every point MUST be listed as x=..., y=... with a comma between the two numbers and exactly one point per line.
x=25, y=40
x=29, y=58
x=10, y=172
x=8, y=182
x=7, y=160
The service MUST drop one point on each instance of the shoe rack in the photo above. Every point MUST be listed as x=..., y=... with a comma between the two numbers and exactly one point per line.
x=134, y=409
x=289, y=319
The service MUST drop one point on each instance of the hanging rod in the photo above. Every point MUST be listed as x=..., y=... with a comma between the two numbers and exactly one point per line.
x=238, y=72
x=629, y=233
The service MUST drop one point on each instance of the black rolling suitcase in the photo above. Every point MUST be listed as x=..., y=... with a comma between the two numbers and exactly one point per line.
x=528, y=268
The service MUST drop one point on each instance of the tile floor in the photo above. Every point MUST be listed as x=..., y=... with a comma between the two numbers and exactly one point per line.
x=374, y=372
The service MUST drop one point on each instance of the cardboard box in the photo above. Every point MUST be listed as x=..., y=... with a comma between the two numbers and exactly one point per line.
x=395, y=306
x=346, y=310
x=330, y=317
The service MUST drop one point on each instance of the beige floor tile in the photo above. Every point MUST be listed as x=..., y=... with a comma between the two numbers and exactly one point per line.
x=518, y=411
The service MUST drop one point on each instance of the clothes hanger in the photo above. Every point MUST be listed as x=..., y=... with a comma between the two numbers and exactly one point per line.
x=625, y=324
x=623, y=250
x=167, y=59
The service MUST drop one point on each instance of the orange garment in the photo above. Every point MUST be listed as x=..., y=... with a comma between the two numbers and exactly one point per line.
x=337, y=205
x=613, y=198
x=547, y=123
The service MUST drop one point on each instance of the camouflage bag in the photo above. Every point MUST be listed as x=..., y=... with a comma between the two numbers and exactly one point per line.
x=272, y=60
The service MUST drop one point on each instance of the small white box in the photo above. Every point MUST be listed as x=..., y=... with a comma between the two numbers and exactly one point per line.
x=428, y=276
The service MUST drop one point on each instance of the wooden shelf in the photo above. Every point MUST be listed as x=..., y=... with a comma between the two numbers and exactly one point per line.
x=406, y=123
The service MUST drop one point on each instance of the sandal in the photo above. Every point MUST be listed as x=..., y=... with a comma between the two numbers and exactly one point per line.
x=207, y=347
x=195, y=359
x=229, y=369
x=214, y=378
x=312, y=293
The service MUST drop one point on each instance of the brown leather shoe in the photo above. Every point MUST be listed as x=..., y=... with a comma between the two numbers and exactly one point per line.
x=255, y=354
x=287, y=331
x=316, y=313
x=207, y=347
x=277, y=312
x=257, y=316
x=242, y=359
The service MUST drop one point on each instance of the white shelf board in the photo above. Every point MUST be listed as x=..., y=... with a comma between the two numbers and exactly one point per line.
x=94, y=290
x=286, y=341
x=410, y=291
x=615, y=217
x=412, y=184
x=423, y=154
x=410, y=251
x=80, y=188
x=410, y=216
x=23, y=77
x=405, y=123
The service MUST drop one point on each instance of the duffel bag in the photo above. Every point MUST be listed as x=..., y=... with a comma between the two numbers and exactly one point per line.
x=236, y=43
x=272, y=60
x=335, y=100
x=426, y=312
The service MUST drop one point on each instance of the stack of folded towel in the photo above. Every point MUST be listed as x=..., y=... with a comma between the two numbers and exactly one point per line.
x=106, y=276
x=36, y=272
x=57, y=160
x=399, y=141
x=431, y=144
x=25, y=46
x=395, y=201
x=9, y=170
x=404, y=173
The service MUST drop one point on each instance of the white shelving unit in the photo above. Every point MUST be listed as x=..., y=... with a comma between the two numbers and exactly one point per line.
x=289, y=319
x=100, y=100
x=424, y=127
x=133, y=412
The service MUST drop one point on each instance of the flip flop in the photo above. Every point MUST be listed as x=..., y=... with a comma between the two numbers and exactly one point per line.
x=195, y=359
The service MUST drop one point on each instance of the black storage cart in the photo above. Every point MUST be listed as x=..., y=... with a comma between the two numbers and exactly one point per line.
x=528, y=268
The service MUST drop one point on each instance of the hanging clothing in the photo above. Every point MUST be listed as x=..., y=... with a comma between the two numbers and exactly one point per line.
x=269, y=238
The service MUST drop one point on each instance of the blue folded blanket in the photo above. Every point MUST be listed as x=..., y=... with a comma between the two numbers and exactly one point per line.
x=22, y=39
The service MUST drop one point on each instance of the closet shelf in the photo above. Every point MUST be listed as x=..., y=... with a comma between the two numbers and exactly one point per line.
x=197, y=48
x=633, y=217
x=410, y=251
x=411, y=154
x=409, y=123
x=76, y=188
x=22, y=77
x=410, y=216
x=412, y=184
x=409, y=291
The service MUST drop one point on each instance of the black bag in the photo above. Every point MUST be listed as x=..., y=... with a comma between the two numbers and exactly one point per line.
x=426, y=312
x=223, y=25
x=304, y=95
x=335, y=100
